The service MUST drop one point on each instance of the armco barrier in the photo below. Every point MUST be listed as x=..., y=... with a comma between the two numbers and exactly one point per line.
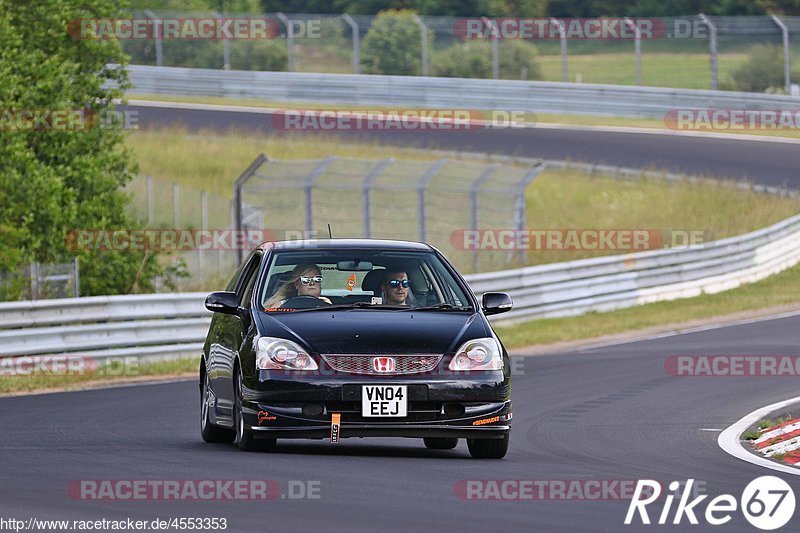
x=447, y=93
x=167, y=325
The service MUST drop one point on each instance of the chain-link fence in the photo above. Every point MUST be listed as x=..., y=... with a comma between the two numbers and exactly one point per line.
x=695, y=51
x=430, y=201
x=41, y=281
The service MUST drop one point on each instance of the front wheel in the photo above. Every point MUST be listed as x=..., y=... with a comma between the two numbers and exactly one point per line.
x=244, y=439
x=488, y=448
x=440, y=443
x=209, y=431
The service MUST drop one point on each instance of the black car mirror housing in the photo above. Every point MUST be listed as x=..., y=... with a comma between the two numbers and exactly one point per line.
x=223, y=302
x=494, y=303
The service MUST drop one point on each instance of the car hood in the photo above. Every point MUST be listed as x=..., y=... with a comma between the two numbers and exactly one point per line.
x=360, y=331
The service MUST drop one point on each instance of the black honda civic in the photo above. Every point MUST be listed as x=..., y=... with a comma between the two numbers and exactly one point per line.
x=331, y=339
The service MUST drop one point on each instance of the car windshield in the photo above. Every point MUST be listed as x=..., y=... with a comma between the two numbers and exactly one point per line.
x=340, y=279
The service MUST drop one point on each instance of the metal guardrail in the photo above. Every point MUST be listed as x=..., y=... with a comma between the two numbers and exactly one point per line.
x=448, y=93
x=136, y=325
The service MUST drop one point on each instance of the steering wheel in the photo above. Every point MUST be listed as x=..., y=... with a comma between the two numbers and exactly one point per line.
x=304, y=301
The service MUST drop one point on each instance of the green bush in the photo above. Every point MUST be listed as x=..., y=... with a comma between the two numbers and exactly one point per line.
x=393, y=45
x=762, y=71
x=473, y=59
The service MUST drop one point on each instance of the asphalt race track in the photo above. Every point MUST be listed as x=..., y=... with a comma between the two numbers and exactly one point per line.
x=609, y=413
x=763, y=162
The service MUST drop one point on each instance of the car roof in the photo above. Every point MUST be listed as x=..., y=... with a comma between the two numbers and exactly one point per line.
x=346, y=244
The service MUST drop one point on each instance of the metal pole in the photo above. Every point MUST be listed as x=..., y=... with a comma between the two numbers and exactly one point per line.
x=563, y=37
x=520, y=212
x=203, y=225
x=637, y=47
x=495, y=36
x=289, y=40
x=787, y=75
x=150, y=201
x=712, y=48
x=77, y=278
x=473, y=200
x=366, y=188
x=157, y=35
x=226, y=49
x=34, y=281
x=237, y=196
x=309, y=186
x=176, y=205
x=422, y=185
x=424, y=31
x=356, y=43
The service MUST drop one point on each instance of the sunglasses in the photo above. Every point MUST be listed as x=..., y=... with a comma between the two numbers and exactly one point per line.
x=395, y=283
x=306, y=280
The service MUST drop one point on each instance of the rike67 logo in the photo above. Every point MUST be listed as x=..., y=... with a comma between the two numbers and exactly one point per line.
x=767, y=503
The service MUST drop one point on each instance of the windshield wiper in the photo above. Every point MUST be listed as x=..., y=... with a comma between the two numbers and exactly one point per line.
x=445, y=306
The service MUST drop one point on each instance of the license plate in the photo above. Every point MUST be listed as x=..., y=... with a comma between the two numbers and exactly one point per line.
x=384, y=400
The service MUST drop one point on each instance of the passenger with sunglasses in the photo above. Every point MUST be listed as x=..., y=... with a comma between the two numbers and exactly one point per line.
x=304, y=280
x=395, y=288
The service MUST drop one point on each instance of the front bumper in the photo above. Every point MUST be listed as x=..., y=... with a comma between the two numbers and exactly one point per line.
x=475, y=406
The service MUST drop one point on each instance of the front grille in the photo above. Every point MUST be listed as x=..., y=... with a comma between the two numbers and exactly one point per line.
x=362, y=364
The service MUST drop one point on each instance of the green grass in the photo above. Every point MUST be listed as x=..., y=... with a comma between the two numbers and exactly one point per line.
x=44, y=381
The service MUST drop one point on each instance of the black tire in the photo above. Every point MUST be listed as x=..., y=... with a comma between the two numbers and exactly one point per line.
x=488, y=448
x=440, y=443
x=209, y=431
x=244, y=439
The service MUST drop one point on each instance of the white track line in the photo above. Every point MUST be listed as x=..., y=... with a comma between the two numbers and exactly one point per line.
x=729, y=439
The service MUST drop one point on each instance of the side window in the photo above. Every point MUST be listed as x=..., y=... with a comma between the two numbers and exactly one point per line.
x=249, y=281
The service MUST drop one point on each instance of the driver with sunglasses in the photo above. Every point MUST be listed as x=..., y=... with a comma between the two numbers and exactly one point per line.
x=395, y=288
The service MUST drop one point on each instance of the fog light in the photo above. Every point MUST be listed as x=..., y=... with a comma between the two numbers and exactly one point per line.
x=313, y=409
x=453, y=409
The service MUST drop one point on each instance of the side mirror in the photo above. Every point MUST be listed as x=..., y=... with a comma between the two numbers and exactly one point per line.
x=494, y=303
x=223, y=302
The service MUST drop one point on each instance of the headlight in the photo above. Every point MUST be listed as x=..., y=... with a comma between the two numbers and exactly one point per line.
x=281, y=354
x=478, y=354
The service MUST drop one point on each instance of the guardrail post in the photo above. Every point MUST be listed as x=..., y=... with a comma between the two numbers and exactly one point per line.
x=226, y=49
x=366, y=188
x=237, y=198
x=289, y=40
x=157, y=36
x=473, y=201
x=356, y=43
x=563, y=38
x=787, y=74
x=424, y=31
x=203, y=226
x=309, y=186
x=637, y=47
x=520, y=210
x=712, y=49
x=422, y=186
